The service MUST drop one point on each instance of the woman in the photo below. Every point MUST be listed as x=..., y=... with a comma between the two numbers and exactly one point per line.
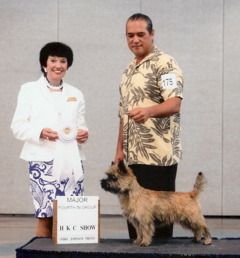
x=49, y=118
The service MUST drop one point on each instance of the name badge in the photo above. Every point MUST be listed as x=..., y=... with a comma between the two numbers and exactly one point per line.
x=169, y=81
x=71, y=99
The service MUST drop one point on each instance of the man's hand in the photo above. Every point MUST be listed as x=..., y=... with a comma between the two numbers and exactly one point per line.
x=119, y=156
x=139, y=115
x=165, y=109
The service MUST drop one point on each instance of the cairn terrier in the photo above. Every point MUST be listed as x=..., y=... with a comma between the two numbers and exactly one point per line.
x=142, y=206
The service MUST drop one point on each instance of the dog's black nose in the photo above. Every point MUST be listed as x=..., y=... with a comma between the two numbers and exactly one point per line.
x=103, y=183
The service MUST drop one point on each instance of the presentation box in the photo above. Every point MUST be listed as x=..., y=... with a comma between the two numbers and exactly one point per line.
x=76, y=219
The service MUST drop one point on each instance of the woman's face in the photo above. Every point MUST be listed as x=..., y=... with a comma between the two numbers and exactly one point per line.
x=56, y=69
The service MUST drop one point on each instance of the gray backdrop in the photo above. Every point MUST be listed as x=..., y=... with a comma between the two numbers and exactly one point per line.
x=203, y=35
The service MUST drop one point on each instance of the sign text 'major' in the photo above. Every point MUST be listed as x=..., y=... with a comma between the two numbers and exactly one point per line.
x=77, y=199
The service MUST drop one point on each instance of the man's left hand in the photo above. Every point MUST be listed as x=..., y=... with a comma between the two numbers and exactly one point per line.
x=139, y=115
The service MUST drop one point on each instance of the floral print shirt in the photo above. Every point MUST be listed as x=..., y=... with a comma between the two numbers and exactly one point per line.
x=152, y=81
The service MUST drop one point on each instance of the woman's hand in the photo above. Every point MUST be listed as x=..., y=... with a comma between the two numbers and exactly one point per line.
x=49, y=134
x=82, y=136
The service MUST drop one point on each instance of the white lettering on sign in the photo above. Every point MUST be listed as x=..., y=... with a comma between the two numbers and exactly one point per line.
x=169, y=81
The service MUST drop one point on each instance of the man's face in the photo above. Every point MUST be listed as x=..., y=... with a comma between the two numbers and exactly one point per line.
x=139, y=40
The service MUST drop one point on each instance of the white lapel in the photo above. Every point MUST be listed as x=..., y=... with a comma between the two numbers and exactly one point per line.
x=46, y=94
x=65, y=112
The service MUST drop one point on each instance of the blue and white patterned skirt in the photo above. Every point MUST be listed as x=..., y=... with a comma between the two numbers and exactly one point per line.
x=44, y=187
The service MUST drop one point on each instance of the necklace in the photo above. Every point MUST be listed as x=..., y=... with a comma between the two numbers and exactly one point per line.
x=54, y=87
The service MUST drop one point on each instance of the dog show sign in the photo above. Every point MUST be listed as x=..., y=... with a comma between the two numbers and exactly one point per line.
x=76, y=219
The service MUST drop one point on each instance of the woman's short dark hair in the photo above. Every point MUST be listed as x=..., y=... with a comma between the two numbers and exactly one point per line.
x=55, y=49
x=140, y=16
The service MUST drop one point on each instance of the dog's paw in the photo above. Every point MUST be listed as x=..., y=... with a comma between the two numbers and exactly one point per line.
x=207, y=241
x=144, y=243
x=137, y=241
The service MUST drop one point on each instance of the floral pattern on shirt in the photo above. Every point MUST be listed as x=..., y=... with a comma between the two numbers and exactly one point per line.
x=157, y=141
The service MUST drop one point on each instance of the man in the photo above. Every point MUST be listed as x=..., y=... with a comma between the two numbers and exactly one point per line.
x=150, y=101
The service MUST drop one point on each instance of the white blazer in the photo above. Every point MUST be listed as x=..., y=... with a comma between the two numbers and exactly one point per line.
x=36, y=110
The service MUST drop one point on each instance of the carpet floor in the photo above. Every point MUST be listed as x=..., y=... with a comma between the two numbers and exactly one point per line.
x=121, y=248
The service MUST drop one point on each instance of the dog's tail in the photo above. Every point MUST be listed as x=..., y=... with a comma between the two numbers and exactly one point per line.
x=199, y=184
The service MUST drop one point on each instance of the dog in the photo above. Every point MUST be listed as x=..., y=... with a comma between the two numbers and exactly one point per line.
x=142, y=206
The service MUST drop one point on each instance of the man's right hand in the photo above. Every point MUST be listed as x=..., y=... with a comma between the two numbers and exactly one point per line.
x=119, y=156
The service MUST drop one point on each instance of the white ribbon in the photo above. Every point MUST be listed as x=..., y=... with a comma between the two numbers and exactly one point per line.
x=67, y=161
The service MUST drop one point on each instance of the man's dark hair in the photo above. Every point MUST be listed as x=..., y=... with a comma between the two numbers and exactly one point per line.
x=140, y=16
x=55, y=49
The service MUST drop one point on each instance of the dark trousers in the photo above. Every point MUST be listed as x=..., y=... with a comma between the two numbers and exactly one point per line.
x=159, y=178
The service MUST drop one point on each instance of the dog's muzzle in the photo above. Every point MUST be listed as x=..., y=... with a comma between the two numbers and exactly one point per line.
x=106, y=185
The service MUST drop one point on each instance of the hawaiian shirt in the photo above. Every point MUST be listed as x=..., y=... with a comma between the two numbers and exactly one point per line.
x=152, y=81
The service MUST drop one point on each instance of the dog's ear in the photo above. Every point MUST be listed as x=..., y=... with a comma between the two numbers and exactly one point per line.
x=122, y=166
x=112, y=163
